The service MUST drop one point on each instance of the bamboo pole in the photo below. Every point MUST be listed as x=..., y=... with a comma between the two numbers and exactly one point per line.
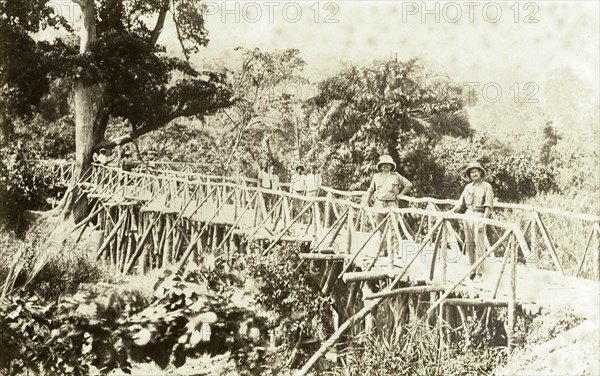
x=597, y=255
x=330, y=342
x=166, y=248
x=351, y=262
x=585, y=252
x=349, y=225
x=463, y=320
x=405, y=290
x=476, y=302
x=237, y=221
x=533, y=257
x=368, y=275
x=274, y=242
x=436, y=245
x=321, y=256
x=108, y=239
x=444, y=249
x=405, y=228
x=379, y=244
x=187, y=252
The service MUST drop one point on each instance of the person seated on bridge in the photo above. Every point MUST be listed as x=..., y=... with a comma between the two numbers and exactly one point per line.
x=127, y=163
x=478, y=200
x=313, y=181
x=101, y=157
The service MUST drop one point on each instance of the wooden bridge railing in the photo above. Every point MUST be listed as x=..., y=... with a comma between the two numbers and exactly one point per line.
x=545, y=228
x=582, y=229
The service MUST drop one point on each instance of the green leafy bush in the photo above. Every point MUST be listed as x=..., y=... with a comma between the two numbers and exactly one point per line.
x=292, y=295
x=109, y=327
x=513, y=177
x=23, y=187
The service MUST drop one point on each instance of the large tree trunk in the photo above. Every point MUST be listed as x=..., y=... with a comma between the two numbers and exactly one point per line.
x=84, y=129
x=84, y=96
x=73, y=206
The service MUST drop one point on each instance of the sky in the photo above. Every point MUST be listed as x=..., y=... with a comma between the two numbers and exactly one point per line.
x=470, y=41
x=508, y=46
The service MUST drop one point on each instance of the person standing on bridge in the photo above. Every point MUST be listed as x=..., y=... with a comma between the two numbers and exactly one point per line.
x=386, y=186
x=268, y=180
x=478, y=200
x=313, y=181
x=298, y=187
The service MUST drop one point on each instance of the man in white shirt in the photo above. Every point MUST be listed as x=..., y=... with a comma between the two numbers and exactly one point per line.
x=298, y=187
x=268, y=180
x=386, y=187
x=313, y=181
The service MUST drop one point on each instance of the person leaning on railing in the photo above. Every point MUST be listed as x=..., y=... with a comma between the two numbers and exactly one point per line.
x=477, y=199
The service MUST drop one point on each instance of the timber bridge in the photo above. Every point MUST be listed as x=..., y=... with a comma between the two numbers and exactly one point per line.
x=162, y=216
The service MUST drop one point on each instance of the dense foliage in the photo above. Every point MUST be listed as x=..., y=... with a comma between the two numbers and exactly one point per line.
x=512, y=176
x=23, y=187
x=363, y=112
x=292, y=294
x=108, y=327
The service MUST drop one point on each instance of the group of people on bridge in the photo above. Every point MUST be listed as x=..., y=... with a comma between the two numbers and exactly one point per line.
x=386, y=190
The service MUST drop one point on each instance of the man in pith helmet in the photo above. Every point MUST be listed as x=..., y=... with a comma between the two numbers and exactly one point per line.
x=477, y=199
x=386, y=186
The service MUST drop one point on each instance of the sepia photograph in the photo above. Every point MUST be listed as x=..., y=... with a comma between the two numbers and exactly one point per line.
x=299, y=188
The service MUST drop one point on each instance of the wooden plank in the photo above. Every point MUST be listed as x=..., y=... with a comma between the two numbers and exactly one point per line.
x=321, y=256
x=370, y=275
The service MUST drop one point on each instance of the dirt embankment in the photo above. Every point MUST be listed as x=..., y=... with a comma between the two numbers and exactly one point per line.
x=574, y=352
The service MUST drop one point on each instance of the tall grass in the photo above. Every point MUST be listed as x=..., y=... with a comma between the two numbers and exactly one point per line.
x=48, y=271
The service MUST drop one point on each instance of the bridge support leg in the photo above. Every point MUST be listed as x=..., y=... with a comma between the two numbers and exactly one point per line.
x=512, y=298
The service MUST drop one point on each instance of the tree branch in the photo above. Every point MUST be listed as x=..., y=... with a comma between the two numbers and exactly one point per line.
x=179, y=37
x=160, y=23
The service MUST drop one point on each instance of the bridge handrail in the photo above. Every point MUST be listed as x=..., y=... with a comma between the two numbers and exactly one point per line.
x=587, y=217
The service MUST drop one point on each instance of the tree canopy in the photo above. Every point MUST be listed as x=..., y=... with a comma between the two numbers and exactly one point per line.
x=117, y=66
x=390, y=107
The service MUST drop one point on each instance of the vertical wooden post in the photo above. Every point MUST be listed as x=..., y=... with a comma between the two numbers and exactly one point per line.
x=388, y=240
x=350, y=224
x=429, y=221
x=328, y=210
x=442, y=343
x=166, y=249
x=317, y=219
x=145, y=219
x=597, y=251
x=443, y=250
x=513, y=295
x=533, y=258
